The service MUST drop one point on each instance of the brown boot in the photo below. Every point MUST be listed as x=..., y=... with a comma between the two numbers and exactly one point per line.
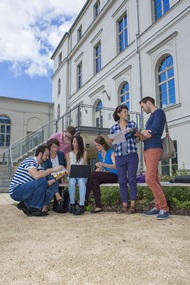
x=122, y=210
x=131, y=211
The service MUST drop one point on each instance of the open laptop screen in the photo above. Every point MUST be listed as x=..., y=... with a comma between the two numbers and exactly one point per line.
x=79, y=171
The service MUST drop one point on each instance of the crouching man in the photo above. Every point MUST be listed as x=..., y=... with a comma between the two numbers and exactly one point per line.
x=29, y=185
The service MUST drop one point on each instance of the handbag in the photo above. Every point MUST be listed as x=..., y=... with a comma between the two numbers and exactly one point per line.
x=168, y=145
x=62, y=207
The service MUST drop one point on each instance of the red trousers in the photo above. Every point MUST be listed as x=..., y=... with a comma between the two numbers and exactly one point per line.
x=152, y=157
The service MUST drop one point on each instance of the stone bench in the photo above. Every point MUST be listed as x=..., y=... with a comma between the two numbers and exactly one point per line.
x=163, y=184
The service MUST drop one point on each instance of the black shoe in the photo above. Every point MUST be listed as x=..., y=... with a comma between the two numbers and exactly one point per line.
x=26, y=211
x=36, y=212
x=21, y=206
x=79, y=211
x=72, y=208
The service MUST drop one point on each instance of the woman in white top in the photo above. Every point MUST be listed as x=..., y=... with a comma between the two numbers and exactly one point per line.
x=78, y=155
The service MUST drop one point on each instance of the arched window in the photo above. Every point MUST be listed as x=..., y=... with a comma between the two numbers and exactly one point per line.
x=59, y=86
x=166, y=82
x=5, y=131
x=125, y=95
x=98, y=114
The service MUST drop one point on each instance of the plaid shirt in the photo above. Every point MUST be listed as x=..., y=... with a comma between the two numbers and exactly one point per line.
x=130, y=143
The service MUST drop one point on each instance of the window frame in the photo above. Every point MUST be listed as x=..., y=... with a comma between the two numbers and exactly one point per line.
x=162, y=11
x=123, y=35
x=98, y=114
x=59, y=87
x=79, y=75
x=96, y=9
x=60, y=59
x=167, y=81
x=98, y=57
x=5, y=134
x=127, y=93
x=79, y=33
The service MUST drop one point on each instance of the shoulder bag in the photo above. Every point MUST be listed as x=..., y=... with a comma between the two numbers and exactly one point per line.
x=168, y=145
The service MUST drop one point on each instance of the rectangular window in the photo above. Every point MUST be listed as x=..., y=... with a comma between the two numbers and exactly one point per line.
x=79, y=75
x=160, y=8
x=60, y=59
x=79, y=34
x=5, y=131
x=98, y=57
x=123, y=33
x=59, y=86
x=96, y=9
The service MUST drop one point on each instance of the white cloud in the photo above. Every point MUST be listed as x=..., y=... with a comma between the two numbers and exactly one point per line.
x=31, y=30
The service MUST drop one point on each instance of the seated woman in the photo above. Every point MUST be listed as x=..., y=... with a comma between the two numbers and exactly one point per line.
x=105, y=173
x=78, y=155
x=56, y=158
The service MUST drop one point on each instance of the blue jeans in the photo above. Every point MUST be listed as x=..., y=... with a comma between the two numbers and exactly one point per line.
x=51, y=191
x=127, y=165
x=31, y=193
x=82, y=189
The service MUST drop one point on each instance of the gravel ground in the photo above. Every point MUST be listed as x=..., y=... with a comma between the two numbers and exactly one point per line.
x=104, y=248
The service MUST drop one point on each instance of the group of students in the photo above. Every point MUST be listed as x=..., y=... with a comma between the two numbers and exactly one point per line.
x=35, y=189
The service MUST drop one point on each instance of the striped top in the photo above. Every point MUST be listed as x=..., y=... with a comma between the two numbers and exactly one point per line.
x=22, y=175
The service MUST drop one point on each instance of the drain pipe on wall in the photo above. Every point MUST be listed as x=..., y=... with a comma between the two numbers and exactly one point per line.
x=140, y=79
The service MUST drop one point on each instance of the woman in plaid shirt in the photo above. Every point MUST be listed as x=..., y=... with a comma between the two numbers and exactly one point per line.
x=126, y=158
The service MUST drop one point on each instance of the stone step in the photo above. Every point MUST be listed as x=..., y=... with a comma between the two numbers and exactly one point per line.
x=4, y=182
x=4, y=189
x=4, y=179
x=4, y=175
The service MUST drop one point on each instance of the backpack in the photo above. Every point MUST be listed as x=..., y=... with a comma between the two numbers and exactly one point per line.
x=62, y=207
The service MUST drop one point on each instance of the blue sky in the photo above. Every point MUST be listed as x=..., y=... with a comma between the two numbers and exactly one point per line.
x=29, y=33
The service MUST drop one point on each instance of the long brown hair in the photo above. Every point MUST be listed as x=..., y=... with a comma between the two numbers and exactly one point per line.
x=101, y=140
x=80, y=142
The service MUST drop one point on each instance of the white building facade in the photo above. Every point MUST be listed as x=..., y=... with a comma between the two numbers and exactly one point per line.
x=19, y=118
x=118, y=52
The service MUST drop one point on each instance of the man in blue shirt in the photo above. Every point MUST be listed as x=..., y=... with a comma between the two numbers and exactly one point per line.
x=152, y=154
x=29, y=184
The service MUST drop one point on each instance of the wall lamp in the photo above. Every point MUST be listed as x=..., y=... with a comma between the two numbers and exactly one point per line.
x=109, y=97
x=86, y=111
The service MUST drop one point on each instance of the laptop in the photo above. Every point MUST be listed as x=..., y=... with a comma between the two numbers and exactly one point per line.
x=79, y=171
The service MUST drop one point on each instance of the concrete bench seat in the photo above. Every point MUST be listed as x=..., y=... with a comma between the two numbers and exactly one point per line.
x=164, y=184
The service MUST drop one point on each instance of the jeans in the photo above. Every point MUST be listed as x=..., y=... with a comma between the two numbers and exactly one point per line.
x=152, y=158
x=82, y=189
x=127, y=163
x=54, y=188
x=31, y=193
x=95, y=179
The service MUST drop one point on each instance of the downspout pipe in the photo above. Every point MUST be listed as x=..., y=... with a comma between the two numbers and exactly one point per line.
x=139, y=77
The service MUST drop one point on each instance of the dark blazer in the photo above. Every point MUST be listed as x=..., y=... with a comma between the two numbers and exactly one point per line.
x=61, y=158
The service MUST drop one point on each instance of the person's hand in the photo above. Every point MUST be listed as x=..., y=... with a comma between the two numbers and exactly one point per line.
x=137, y=134
x=58, y=168
x=99, y=165
x=146, y=133
x=98, y=169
